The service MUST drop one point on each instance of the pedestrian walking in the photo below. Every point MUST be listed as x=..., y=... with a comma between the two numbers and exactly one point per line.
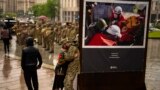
x=31, y=61
x=6, y=36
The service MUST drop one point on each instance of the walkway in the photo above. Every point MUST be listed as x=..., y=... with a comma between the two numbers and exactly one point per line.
x=11, y=75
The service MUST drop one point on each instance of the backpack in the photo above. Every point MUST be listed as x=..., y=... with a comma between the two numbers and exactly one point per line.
x=5, y=34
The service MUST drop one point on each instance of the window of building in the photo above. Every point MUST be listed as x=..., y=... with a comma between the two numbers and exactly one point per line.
x=69, y=15
x=154, y=6
x=73, y=16
x=77, y=15
x=69, y=3
x=78, y=3
x=157, y=5
x=64, y=16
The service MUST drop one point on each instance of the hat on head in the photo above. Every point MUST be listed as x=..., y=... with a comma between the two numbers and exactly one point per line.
x=114, y=30
x=101, y=24
x=118, y=10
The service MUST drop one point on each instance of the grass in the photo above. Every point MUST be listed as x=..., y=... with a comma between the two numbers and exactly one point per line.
x=154, y=34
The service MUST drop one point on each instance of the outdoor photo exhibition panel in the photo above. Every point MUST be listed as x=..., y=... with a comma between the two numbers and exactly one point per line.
x=114, y=35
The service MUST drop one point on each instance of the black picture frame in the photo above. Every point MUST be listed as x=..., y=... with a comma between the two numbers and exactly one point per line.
x=120, y=58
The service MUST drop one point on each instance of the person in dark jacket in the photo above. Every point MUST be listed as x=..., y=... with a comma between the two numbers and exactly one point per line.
x=31, y=61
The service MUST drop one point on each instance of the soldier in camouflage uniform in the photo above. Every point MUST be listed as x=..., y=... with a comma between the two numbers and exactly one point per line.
x=72, y=34
x=47, y=36
x=43, y=34
x=38, y=34
x=18, y=32
x=24, y=35
x=68, y=30
x=31, y=30
x=15, y=27
x=73, y=67
x=58, y=33
x=51, y=40
x=63, y=34
x=18, y=28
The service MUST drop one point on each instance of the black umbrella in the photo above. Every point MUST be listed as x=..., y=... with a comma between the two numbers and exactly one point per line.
x=10, y=22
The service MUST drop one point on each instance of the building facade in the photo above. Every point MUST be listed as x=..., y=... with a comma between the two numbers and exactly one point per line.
x=7, y=6
x=23, y=6
x=40, y=1
x=15, y=6
x=10, y=6
x=69, y=10
x=2, y=6
x=155, y=10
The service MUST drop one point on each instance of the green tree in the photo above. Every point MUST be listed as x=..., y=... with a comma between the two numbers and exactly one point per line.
x=38, y=9
x=52, y=7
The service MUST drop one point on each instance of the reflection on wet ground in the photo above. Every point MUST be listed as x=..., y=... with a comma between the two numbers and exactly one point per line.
x=6, y=67
x=11, y=75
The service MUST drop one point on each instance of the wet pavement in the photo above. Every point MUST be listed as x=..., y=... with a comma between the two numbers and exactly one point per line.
x=11, y=75
x=153, y=65
x=49, y=59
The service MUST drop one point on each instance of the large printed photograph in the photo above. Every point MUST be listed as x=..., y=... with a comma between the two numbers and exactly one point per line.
x=114, y=24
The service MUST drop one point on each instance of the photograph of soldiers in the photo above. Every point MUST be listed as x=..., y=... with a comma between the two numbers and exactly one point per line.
x=103, y=15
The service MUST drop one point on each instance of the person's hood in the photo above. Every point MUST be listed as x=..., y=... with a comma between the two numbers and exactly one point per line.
x=29, y=41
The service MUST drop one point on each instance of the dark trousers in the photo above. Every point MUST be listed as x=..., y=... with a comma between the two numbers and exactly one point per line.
x=31, y=78
x=60, y=73
x=58, y=82
x=6, y=45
